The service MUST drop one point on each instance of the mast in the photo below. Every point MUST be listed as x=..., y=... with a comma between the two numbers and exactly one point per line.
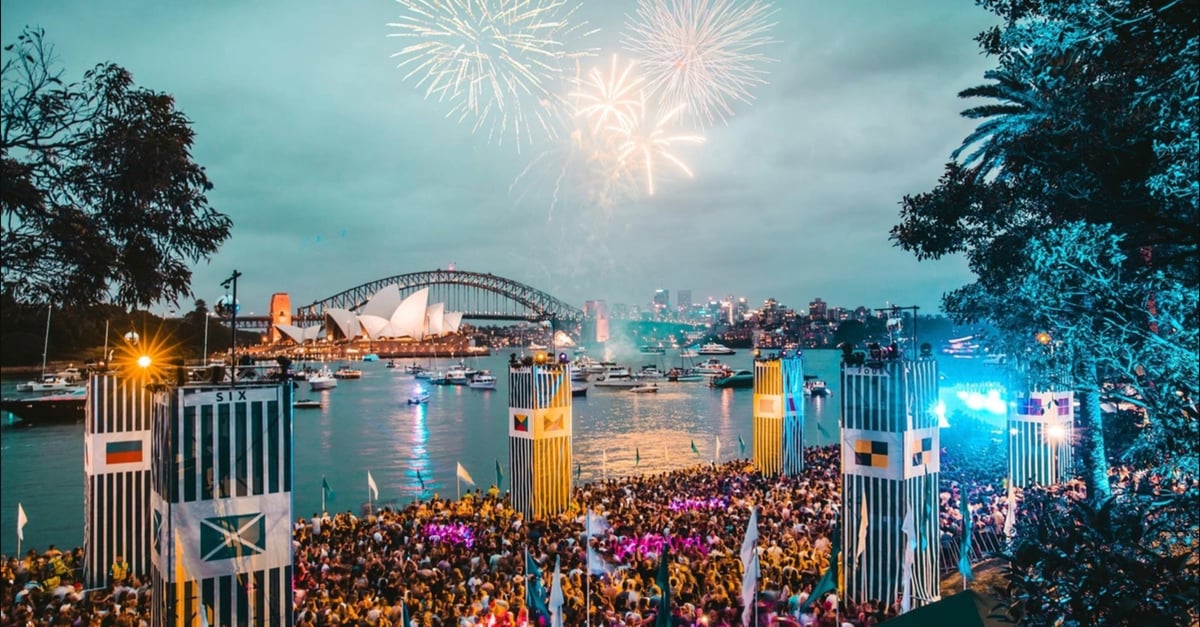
x=46, y=341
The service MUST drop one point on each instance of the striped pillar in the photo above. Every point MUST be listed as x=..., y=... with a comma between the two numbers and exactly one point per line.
x=116, y=469
x=1040, y=433
x=220, y=526
x=768, y=415
x=793, y=413
x=890, y=466
x=539, y=438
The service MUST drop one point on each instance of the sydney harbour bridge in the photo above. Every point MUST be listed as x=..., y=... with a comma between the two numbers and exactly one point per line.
x=479, y=296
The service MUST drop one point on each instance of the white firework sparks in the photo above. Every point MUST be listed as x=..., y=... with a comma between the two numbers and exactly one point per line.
x=706, y=53
x=489, y=59
x=649, y=140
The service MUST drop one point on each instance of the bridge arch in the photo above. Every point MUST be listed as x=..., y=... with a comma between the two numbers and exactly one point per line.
x=480, y=296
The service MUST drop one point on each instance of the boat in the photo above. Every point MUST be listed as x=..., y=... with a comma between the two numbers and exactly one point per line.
x=48, y=383
x=457, y=375
x=70, y=374
x=484, y=380
x=370, y=357
x=66, y=407
x=436, y=378
x=711, y=366
x=414, y=368
x=418, y=397
x=683, y=375
x=652, y=349
x=814, y=386
x=534, y=346
x=739, y=379
x=688, y=353
x=392, y=364
x=645, y=388
x=579, y=389
x=713, y=348
x=346, y=372
x=322, y=379
x=307, y=403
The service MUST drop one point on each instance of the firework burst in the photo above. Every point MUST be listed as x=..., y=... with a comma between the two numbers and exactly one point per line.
x=649, y=140
x=496, y=62
x=705, y=53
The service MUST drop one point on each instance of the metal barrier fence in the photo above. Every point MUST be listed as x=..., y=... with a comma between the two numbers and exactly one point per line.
x=984, y=543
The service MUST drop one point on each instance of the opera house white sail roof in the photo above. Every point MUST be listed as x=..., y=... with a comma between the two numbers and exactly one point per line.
x=384, y=316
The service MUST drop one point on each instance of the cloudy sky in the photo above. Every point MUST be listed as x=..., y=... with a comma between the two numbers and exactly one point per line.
x=337, y=172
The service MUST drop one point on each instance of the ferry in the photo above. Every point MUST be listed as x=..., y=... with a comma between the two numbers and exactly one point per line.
x=713, y=348
x=652, y=349
x=66, y=407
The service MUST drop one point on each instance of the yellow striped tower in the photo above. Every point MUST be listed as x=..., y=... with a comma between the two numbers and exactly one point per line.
x=1041, y=429
x=768, y=415
x=220, y=527
x=116, y=469
x=539, y=436
x=890, y=467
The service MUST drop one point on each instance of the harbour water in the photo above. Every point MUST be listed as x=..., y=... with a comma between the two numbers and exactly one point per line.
x=366, y=424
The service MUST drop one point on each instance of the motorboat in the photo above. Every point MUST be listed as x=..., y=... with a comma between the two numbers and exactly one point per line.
x=484, y=380
x=683, y=375
x=815, y=387
x=419, y=396
x=346, y=372
x=711, y=366
x=414, y=368
x=579, y=389
x=370, y=357
x=436, y=378
x=307, y=403
x=457, y=375
x=714, y=348
x=650, y=371
x=652, y=349
x=48, y=383
x=688, y=353
x=392, y=364
x=70, y=374
x=534, y=346
x=68, y=406
x=739, y=379
x=322, y=379
x=644, y=388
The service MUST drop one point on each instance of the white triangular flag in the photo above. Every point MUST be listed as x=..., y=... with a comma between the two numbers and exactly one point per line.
x=862, y=529
x=749, y=566
x=371, y=485
x=717, y=451
x=910, y=549
x=21, y=520
x=556, y=597
x=464, y=475
x=1010, y=516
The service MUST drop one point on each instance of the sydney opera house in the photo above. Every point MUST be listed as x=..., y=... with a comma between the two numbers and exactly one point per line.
x=385, y=323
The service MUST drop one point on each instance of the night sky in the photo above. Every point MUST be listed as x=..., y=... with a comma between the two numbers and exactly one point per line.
x=337, y=172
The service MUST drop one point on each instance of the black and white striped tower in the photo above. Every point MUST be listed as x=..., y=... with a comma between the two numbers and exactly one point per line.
x=221, y=503
x=768, y=415
x=539, y=435
x=1040, y=432
x=890, y=466
x=116, y=469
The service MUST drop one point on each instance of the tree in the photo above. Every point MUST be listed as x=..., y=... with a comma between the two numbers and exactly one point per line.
x=101, y=200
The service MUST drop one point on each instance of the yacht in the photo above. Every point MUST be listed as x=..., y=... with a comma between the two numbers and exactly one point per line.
x=579, y=389
x=308, y=403
x=616, y=377
x=815, y=387
x=684, y=375
x=652, y=349
x=457, y=375
x=346, y=372
x=711, y=366
x=484, y=380
x=322, y=379
x=48, y=383
x=713, y=348
x=688, y=353
x=67, y=406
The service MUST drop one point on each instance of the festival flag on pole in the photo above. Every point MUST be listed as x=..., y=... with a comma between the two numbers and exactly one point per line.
x=741, y=444
x=21, y=521
x=637, y=456
x=421, y=480
x=578, y=471
x=556, y=597
x=910, y=548
x=828, y=581
x=325, y=489
x=964, y=557
x=717, y=450
x=464, y=475
x=535, y=591
x=371, y=486
x=1010, y=515
x=823, y=430
x=662, y=617
x=862, y=529
x=499, y=475
x=694, y=449
x=749, y=566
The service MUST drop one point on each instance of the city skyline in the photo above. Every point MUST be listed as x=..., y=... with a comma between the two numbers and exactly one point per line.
x=337, y=172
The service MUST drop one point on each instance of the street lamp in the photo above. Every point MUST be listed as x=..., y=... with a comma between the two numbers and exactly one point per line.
x=1055, y=433
x=233, y=307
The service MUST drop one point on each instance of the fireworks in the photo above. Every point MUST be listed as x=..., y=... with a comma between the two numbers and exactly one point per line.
x=647, y=142
x=704, y=53
x=489, y=59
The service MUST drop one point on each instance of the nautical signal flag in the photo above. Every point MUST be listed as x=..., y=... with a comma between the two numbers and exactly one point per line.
x=328, y=491
x=521, y=422
x=922, y=452
x=552, y=424
x=464, y=475
x=767, y=405
x=22, y=519
x=123, y=452
x=227, y=537
x=871, y=453
x=1064, y=405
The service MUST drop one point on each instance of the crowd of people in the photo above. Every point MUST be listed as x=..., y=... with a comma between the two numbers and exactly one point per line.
x=441, y=562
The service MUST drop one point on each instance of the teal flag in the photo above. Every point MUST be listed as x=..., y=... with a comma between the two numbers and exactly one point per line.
x=694, y=449
x=663, y=617
x=828, y=582
x=499, y=475
x=578, y=471
x=964, y=557
x=326, y=489
x=637, y=456
x=421, y=479
x=823, y=430
x=742, y=444
x=535, y=591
